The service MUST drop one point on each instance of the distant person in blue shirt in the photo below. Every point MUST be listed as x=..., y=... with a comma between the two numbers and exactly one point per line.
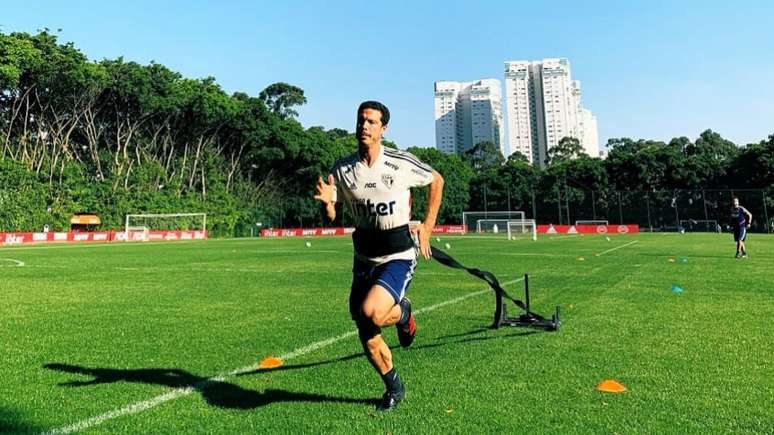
x=740, y=221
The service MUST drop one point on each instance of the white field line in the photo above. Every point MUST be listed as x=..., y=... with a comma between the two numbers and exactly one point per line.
x=137, y=407
x=229, y=269
x=502, y=238
x=532, y=254
x=74, y=245
x=17, y=263
x=564, y=237
x=302, y=250
x=617, y=247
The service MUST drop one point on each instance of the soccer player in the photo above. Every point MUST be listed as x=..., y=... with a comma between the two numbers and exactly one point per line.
x=740, y=220
x=374, y=183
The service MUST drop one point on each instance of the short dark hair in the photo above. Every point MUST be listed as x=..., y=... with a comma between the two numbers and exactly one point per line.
x=375, y=105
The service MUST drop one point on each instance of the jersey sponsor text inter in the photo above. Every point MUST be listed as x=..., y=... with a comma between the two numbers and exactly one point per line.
x=378, y=196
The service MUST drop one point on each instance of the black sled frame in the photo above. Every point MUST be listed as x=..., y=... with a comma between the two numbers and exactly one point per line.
x=527, y=318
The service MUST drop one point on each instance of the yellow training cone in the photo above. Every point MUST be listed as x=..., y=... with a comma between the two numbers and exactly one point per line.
x=270, y=362
x=610, y=386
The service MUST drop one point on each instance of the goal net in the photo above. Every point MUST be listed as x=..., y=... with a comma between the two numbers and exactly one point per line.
x=518, y=230
x=700, y=225
x=143, y=227
x=470, y=219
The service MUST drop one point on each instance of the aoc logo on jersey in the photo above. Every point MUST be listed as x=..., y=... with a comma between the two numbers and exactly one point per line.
x=376, y=209
x=370, y=186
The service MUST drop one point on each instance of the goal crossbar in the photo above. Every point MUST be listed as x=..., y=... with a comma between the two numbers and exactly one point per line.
x=469, y=218
x=128, y=227
x=526, y=227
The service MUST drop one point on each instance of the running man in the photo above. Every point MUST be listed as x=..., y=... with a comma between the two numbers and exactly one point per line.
x=740, y=220
x=374, y=183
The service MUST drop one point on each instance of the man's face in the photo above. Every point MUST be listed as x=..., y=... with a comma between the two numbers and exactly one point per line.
x=736, y=202
x=369, y=129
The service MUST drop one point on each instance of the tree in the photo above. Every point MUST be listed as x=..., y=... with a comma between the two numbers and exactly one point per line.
x=753, y=167
x=708, y=159
x=568, y=148
x=281, y=97
x=456, y=174
x=483, y=156
x=520, y=179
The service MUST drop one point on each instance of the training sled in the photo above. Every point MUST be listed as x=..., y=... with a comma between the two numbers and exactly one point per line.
x=527, y=318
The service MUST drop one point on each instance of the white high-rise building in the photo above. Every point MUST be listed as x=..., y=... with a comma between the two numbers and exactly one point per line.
x=590, y=137
x=520, y=96
x=557, y=100
x=544, y=106
x=446, y=134
x=467, y=113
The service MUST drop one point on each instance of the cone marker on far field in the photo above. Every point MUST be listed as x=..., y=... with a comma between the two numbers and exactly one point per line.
x=610, y=386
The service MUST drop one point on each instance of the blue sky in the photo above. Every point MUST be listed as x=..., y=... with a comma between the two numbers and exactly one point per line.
x=648, y=69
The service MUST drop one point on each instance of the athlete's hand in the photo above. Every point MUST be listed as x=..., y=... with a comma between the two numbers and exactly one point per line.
x=423, y=235
x=324, y=190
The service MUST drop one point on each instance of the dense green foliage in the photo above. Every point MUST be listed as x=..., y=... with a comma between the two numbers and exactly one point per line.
x=116, y=137
x=88, y=329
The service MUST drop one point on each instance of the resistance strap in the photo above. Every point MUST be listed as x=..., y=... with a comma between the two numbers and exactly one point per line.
x=489, y=277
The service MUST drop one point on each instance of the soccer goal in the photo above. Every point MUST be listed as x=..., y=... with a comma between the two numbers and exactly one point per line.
x=470, y=219
x=140, y=226
x=518, y=230
x=592, y=222
x=700, y=225
x=492, y=226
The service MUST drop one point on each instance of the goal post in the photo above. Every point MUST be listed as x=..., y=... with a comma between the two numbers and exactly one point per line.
x=139, y=226
x=494, y=226
x=700, y=225
x=522, y=229
x=470, y=218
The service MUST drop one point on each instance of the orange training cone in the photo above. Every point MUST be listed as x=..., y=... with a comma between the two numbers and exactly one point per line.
x=270, y=362
x=610, y=386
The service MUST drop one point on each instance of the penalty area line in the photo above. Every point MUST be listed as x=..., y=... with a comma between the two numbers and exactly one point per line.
x=617, y=247
x=17, y=263
x=144, y=405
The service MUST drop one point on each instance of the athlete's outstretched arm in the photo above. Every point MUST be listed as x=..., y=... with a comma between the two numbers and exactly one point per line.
x=435, y=192
x=325, y=195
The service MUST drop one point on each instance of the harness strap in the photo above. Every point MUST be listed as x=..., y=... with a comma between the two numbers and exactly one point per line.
x=490, y=279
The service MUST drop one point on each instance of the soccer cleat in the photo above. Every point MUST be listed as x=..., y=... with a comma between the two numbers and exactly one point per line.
x=407, y=331
x=744, y=255
x=390, y=400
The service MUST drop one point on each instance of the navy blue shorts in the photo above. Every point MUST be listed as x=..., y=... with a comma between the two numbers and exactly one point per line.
x=395, y=276
x=740, y=233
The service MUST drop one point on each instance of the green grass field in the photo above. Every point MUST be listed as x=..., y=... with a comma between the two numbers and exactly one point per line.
x=165, y=338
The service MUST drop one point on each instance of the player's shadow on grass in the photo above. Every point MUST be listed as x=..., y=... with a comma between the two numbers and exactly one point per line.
x=12, y=421
x=396, y=347
x=303, y=366
x=215, y=392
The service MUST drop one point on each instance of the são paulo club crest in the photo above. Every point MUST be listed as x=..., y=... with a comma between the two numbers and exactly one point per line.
x=387, y=180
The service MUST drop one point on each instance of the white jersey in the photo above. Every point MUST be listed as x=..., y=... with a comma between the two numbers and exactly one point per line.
x=378, y=196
